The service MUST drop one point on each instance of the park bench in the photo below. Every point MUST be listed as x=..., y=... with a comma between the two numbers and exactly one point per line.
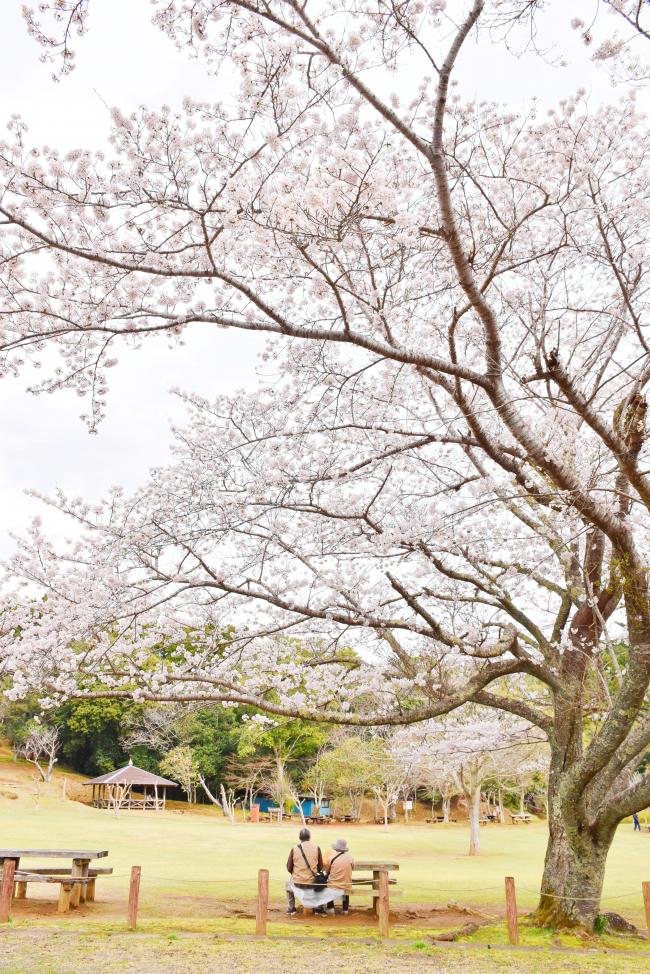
x=521, y=817
x=21, y=883
x=67, y=883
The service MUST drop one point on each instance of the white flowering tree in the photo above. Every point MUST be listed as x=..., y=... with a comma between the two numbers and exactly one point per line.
x=451, y=474
x=469, y=748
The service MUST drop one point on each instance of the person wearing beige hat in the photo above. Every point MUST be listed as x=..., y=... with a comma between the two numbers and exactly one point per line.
x=338, y=866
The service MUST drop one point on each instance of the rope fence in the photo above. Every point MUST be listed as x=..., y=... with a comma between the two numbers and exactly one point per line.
x=379, y=888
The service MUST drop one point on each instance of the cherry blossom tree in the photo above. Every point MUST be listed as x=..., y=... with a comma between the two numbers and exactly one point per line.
x=472, y=746
x=449, y=473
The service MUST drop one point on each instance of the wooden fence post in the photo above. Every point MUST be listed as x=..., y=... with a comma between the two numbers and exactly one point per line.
x=511, y=911
x=134, y=894
x=7, y=888
x=383, y=904
x=646, y=903
x=262, y=902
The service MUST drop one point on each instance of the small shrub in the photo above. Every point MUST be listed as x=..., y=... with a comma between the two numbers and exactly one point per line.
x=600, y=924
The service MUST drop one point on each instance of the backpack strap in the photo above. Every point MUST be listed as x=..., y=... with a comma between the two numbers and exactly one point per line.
x=306, y=860
x=333, y=860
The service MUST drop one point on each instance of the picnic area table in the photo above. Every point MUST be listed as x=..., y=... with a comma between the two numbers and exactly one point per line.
x=274, y=815
x=521, y=817
x=77, y=878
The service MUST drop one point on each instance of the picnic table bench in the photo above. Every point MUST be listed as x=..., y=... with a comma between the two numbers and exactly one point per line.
x=373, y=881
x=77, y=883
x=521, y=817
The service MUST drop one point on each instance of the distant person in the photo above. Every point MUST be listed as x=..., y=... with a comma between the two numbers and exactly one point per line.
x=637, y=824
x=338, y=866
x=304, y=862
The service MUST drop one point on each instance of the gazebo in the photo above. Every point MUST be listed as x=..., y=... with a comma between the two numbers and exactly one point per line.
x=115, y=789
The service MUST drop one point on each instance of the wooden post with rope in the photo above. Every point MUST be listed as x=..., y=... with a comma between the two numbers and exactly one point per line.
x=511, y=911
x=134, y=896
x=646, y=904
x=261, y=912
x=7, y=889
x=383, y=904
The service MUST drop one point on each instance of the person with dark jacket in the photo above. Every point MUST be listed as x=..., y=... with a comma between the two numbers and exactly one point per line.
x=305, y=860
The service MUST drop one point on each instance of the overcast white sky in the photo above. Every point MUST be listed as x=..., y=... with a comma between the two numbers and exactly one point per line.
x=125, y=62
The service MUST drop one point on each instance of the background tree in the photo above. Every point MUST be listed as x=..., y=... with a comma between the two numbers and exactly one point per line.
x=350, y=770
x=181, y=765
x=474, y=745
x=248, y=774
x=452, y=477
x=288, y=743
x=40, y=747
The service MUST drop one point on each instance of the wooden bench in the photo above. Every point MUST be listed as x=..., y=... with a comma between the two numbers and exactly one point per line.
x=67, y=883
x=21, y=884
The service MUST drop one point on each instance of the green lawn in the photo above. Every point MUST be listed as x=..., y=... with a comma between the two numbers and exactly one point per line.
x=189, y=860
x=199, y=877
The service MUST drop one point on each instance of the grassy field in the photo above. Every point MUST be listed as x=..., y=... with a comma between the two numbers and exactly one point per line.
x=44, y=953
x=199, y=878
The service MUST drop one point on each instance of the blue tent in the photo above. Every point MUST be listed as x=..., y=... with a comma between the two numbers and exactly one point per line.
x=308, y=805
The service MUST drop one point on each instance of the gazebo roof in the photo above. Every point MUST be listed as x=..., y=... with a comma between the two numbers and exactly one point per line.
x=130, y=775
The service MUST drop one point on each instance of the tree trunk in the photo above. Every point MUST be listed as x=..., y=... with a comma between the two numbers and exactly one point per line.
x=474, y=826
x=574, y=866
x=472, y=790
x=522, y=800
x=225, y=805
x=213, y=798
x=572, y=883
x=502, y=811
x=446, y=804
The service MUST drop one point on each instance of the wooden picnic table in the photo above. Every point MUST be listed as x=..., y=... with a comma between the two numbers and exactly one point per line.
x=81, y=859
x=521, y=817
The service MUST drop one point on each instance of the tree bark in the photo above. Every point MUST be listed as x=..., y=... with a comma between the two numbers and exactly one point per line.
x=446, y=802
x=574, y=869
x=576, y=854
x=474, y=801
x=471, y=783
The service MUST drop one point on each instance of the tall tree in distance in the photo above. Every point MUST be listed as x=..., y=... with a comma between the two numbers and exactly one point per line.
x=451, y=474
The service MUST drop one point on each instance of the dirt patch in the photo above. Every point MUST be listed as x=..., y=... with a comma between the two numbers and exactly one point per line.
x=405, y=915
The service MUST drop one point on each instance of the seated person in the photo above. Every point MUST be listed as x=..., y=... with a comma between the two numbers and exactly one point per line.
x=305, y=860
x=338, y=865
